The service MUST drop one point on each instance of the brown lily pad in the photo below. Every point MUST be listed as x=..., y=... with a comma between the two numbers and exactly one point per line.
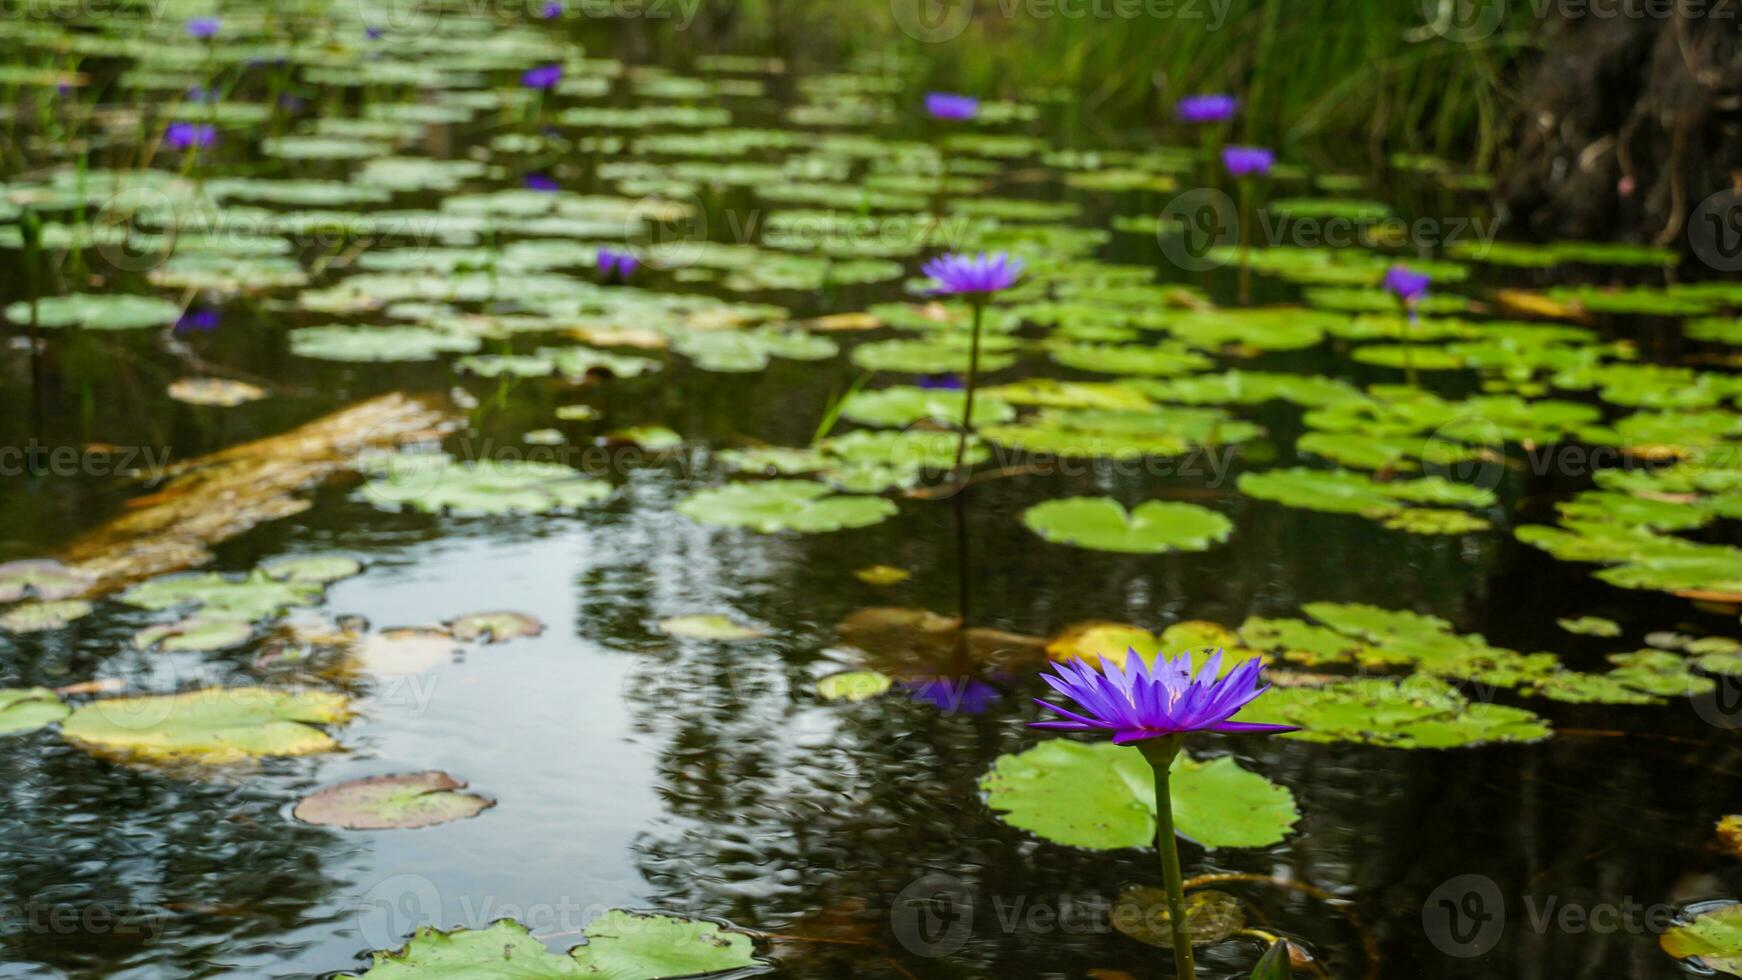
x=1211, y=916
x=397, y=802
x=495, y=627
x=909, y=643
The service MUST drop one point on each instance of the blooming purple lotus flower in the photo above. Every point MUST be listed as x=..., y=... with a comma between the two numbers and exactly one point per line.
x=204, y=28
x=189, y=136
x=1248, y=161
x=1407, y=285
x=542, y=77
x=1139, y=701
x=615, y=266
x=1206, y=108
x=959, y=274
x=949, y=105
x=197, y=321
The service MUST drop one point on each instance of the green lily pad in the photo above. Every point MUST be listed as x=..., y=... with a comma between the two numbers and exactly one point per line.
x=391, y=343
x=1430, y=520
x=784, y=505
x=855, y=685
x=195, y=633
x=653, y=438
x=1103, y=524
x=1162, y=359
x=1211, y=916
x=1712, y=938
x=398, y=802
x=41, y=579
x=620, y=946
x=312, y=569
x=212, y=726
x=750, y=350
x=1102, y=796
x=495, y=627
x=437, y=483
x=254, y=597
x=905, y=405
x=1590, y=626
x=36, y=617
x=709, y=626
x=929, y=356
x=1419, y=712
x=27, y=709
x=109, y=311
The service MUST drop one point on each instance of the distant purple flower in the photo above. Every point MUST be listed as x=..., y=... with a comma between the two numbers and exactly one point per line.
x=1206, y=108
x=941, y=382
x=551, y=11
x=961, y=275
x=1138, y=701
x=290, y=103
x=949, y=105
x=1408, y=286
x=65, y=89
x=204, y=27
x=1248, y=161
x=202, y=94
x=615, y=266
x=954, y=695
x=542, y=77
x=197, y=321
x=189, y=136
x=374, y=33
x=541, y=182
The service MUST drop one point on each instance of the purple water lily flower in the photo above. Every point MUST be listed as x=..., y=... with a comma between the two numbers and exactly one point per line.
x=941, y=382
x=541, y=182
x=204, y=27
x=949, y=105
x=1206, y=108
x=551, y=11
x=1139, y=701
x=374, y=33
x=1248, y=161
x=197, y=321
x=615, y=266
x=189, y=136
x=959, y=274
x=954, y=695
x=542, y=77
x=1406, y=284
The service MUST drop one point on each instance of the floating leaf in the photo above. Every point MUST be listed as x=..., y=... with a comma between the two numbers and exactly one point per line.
x=1102, y=796
x=709, y=626
x=256, y=596
x=312, y=569
x=398, y=802
x=784, y=505
x=213, y=725
x=1590, y=626
x=195, y=633
x=108, y=311
x=495, y=627
x=339, y=343
x=1711, y=938
x=1419, y=712
x=220, y=392
x=1093, y=642
x=882, y=575
x=620, y=946
x=41, y=579
x=35, y=617
x=856, y=685
x=905, y=405
x=27, y=709
x=436, y=483
x=1102, y=524
x=1211, y=916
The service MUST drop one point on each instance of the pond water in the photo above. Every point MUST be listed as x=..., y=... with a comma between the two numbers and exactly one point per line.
x=708, y=778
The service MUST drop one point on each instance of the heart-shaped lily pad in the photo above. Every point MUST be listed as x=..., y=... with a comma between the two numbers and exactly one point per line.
x=1102, y=524
x=784, y=505
x=620, y=946
x=1102, y=796
x=419, y=799
x=214, y=725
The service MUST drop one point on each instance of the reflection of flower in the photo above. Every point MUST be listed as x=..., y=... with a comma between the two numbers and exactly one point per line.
x=1206, y=108
x=615, y=266
x=1247, y=161
x=203, y=27
x=963, y=275
x=1406, y=284
x=954, y=695
x=188, y=136
x=541, y=182
x=949, y=105
x=197, y=321
x=542, y=77
x=1138, y=702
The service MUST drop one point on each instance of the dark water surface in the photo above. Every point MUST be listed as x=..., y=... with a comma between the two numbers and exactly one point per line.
x=636, y=770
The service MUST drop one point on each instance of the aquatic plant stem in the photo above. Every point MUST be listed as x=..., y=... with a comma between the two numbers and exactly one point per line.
x=968, y=392
x=1161, y=752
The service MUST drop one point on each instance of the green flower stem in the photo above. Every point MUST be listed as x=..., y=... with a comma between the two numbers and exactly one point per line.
x=1161, y=752
x=968, y=401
